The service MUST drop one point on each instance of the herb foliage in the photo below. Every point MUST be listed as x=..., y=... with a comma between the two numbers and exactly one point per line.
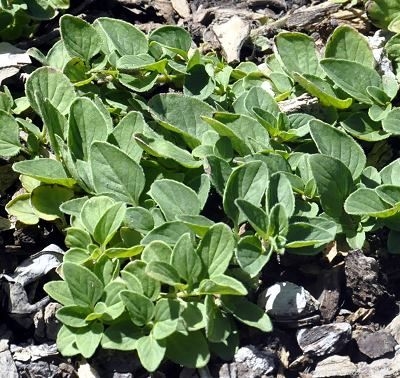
x=136, y=173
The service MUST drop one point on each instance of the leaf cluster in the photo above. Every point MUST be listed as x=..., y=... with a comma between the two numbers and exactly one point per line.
x=175, y=177
x=19, y=18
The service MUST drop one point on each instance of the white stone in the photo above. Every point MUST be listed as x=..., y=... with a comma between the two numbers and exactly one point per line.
x=232, y=35
x=288, y=301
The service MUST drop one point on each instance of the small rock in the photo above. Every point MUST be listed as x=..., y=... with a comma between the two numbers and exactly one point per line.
x=122, y=375
x=329, y=286
x=394, y=328
x=33, y=352
x=7, y=365
x=252, y=362
x=339, y=366
x=383, y=368
x=324, y=339
x=376, y=344
x=288, y=303
x=87, y=371
x=181, y=7
x=362, y=280
x=232, y=35
x=377, y=43
x=38, y=369
x=51, y=322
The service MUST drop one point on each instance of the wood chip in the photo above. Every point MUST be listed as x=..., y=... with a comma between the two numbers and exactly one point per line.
x=181, y=7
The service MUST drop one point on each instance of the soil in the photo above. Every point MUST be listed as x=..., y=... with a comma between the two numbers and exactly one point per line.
x=359, y=287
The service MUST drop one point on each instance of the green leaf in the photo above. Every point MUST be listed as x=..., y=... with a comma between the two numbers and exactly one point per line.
x=136, y=83
x=55, y=123
x=389, y=193
x=132, y=282
x=247, y=312
x=174, y=38
x=168, y=232
x=160, y=147
x=151, y=352
x=79, y=37
x=77, y=237
x=394, y=25
x=303, y=234
x=218, y=326
x=322, y=90
x=366, y=201
x=109, y=223
x=163, y=329
x=256, y=216
x=51, y=84
x=85, y=287
x=391, y=123
x=9, y=135
x=198, y=82
x=163, y=272
x=390, y=174
x=332, y=192
x=193, y=315
x=165, y=191
x=140, y=308
x=115, y=173
x=185, y=259
x=88, y=339
x=73, y=316
x=222, y=285
x=360, y=126
x=21, y=208
x=123, y=134
x=121, y=336
x=139, y=218
x=379, y=96
x=66, y=341
x=250, y=255
x=189, y=350
x=216, y=249
x=347, y=43
x=259, y=98
x=227, y=349
x=77, y=255
x=379, y=112
x=60, y=292
x=86, y=125
x=46, y=200
x=151, y=287
x=297, y=52
x=157, y=251
x=48, y=171
x=182, y=114
x=280, y=191
x=218, y=170
x=247, y=182
x=278, y=221
x=58, y=56
x=197, y=223
x=246, y=134
x=382, y=13
x=132, y=63
x=337, y=144
x=121, y=36
x=93, y=209
x=352, y=77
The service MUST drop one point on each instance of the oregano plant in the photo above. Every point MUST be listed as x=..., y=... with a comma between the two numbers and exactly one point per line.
x=172, y=202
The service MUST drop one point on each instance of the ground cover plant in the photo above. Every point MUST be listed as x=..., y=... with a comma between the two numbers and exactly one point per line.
x=20, y=18
x=176, y=176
